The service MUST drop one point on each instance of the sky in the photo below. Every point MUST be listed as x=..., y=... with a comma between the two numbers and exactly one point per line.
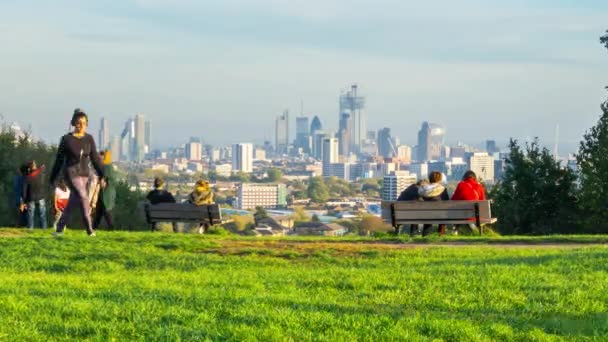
x=224, y=70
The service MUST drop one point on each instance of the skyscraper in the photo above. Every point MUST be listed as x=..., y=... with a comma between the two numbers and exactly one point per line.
x=330, y=153
x=385, y=143
x=344, y=134
x=147, y=137
x=352, y=103
x=317, y=144
x=140, y=138
x=242, y=157
x=315, y=125
x=104, y=134
x=194, y=151
x=430, y=141
x=302, y=134
x=115, y=147
x=127, y=141
x=282, y=133
x=491, y=147
x=483, y=165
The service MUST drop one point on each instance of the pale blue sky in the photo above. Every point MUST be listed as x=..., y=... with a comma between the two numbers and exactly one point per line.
x=225, y=69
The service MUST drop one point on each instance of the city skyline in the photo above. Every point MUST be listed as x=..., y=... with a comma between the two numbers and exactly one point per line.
x=509, y=70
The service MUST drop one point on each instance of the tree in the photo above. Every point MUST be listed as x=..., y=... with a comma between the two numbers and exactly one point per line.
x=536, y=195
x=300, y=215
x=593, y=172
x=604, y=39
x=274, y=174
x=260, y=213
x=317, y=190
x=371, y=223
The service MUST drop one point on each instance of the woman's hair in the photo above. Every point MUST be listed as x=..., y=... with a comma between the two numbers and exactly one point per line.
x=158, y=183
x=435, y=177
x=106, y=157
x=78, y=114
x=469, y=174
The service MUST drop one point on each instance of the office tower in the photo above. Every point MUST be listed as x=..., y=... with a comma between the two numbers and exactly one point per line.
x=483, y=165
x=395, y=183
x=104, y=135
x=457, y=151
x=282, y=133
x=115, y=147
x=385, y=143
x=352, y=103
x=371, y=135
x=421, y=170
x=330, y=153
x=430, y=141
x=259, y=154
x=404, y=153
x=140, y=138
x=344, y=132
x=302, y=134
x=194, y=151
x=491, y=147
x=242, y=158
x=317, y=144
x=315, y=125
x=148, y=137
x=127, y=141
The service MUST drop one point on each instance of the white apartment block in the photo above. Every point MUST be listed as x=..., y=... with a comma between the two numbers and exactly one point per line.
x=395, y=183
x=242, y=158
x=252, y=195
x=483, y=165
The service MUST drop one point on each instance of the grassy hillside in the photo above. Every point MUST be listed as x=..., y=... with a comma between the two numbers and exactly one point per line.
x=167, y=287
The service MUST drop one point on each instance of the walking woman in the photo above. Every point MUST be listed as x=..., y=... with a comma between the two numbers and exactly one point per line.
x=76, y=150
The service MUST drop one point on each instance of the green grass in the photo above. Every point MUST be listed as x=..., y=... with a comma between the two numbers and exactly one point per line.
x=158, y=286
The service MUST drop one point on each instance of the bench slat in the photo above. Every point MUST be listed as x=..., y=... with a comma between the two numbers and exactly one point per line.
x=434, y=214
x=183, y=212
x=484, y=221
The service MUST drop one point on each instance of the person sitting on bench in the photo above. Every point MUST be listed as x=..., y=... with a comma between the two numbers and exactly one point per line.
x=433, y=191
x=469, y=189
x=411, y=193
x=201, y=195
x=160, y=195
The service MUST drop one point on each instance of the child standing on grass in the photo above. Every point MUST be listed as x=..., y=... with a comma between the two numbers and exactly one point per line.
x=60, y=201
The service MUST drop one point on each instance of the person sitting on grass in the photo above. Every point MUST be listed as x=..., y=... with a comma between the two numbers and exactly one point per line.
x=201, y=195
x=433, y=191
x=160, y=195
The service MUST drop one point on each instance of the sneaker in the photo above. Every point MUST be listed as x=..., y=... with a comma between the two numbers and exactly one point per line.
x=93, y=234
x=57, y=233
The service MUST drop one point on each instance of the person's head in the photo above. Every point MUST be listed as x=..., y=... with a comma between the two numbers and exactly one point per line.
x=79, y=121
x=23, y=169
x=434, y=177
x=106, y=157
x=158, y=183
x=201, y=186
x=469, y=175
x=31, y=166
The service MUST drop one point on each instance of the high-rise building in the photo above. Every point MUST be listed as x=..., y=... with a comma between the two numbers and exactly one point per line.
x=140, y=138
x=315, y=125
x=127, y=141
x=353, y=103
x=242, y=158
x=395, y=183
x=104, y=135
x=457, y=151
x=253, y=195
x=194, y=151
x=483, y=165
x=317, y=144
x=404, y=154
x=385, y=143
x=282, y=133
x=421, y=170
x=430, y=141
x=491, y=147
x=344, y=132
x=302, y=134
x=115, y=147
x=148, y=137
x=330, y=153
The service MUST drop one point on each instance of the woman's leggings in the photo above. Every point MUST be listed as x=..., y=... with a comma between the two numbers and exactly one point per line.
x=78, y=198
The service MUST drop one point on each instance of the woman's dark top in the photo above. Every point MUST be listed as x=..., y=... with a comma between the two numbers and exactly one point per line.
x=75, y=154
x=160, y=196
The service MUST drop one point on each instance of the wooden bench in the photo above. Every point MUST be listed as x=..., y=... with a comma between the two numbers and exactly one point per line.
x=437, y=212
x=183, y=212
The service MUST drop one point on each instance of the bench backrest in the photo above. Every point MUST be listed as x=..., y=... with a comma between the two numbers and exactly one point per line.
x=457, y=212
x=183, y=212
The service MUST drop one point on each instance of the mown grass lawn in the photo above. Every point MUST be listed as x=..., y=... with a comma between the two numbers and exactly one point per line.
x=158, y=286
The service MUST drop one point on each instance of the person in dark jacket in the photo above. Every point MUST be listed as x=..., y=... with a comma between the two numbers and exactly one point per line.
x=18, y=191
x=106, y=192
x=75, y=152
x=411, y=193
x=433, y=191
x=34, y=195
x=160, y=195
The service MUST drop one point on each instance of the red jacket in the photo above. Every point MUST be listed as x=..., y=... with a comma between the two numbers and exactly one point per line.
x=469, y=190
